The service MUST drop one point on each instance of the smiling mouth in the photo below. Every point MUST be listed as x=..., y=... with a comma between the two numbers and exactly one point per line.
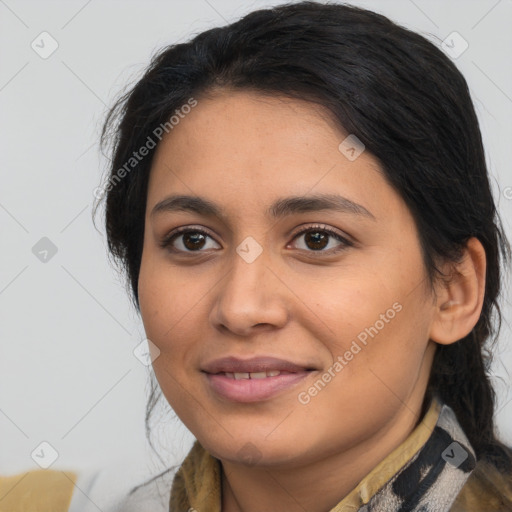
x=253, y=387
x=255, y=379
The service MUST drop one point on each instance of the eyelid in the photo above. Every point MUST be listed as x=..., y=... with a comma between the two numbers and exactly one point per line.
x=320, y=227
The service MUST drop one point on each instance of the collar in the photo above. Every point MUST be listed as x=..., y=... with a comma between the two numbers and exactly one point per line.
x=425, y=473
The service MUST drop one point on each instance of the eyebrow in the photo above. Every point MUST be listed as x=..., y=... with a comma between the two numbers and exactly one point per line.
x=280, y=208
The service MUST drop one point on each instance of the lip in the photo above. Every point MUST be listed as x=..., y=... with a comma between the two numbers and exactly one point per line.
x=253, y=390
x=254, y=364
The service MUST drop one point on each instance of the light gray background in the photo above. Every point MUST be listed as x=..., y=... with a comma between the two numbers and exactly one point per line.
x=67, y=330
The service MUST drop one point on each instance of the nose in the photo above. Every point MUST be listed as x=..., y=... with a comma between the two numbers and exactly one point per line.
x=250, y=298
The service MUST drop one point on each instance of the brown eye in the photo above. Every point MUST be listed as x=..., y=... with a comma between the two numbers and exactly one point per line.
x=193, y=241
x=187, y=240
x=317, y=238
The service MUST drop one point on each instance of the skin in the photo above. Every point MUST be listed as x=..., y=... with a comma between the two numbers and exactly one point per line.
x=243, y=151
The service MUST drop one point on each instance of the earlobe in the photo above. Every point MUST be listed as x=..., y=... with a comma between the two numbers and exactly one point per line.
x=460, y=299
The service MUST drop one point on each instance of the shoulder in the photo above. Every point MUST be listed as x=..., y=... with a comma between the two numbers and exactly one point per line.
x=486, y=489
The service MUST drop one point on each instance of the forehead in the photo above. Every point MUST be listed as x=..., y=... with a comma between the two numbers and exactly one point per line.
x=231, y=122
x=245, y=148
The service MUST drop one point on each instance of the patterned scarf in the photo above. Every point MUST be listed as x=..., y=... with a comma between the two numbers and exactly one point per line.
x=429, y=481
x=433, y=477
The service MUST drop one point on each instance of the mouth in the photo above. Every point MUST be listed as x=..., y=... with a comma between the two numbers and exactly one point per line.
x=254, y=365
x=253, y=380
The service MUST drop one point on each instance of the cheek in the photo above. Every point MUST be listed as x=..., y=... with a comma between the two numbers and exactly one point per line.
x=161, y=305
x=167, y=309
x=378, y=322
x=173, y=306
x=351, y=304
x=163, y=296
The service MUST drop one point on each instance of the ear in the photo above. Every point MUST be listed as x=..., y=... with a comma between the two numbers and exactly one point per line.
x=460, y=299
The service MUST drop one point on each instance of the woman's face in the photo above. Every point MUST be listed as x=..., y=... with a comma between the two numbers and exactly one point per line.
x=262, y=274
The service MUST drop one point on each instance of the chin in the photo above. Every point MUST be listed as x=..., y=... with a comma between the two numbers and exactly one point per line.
x=253, y=450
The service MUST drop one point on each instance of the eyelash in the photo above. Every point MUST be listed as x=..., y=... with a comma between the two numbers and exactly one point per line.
x=168, y=239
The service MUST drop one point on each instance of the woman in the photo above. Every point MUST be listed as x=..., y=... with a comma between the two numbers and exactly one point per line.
x=317, y=205
x=301, y=202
